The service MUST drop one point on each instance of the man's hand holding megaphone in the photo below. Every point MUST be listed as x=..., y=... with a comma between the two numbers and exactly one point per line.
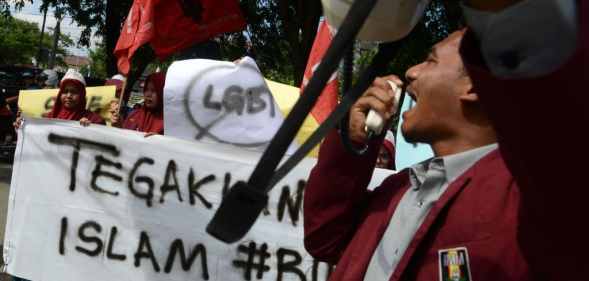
x=372, y=110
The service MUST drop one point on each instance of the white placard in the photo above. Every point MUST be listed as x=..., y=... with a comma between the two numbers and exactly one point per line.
x=99, y=203
x=220, y=101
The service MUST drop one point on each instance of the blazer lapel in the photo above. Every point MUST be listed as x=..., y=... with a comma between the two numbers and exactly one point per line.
x=452, y=191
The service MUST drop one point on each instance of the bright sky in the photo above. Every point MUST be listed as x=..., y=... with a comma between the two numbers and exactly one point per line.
x=31, y=13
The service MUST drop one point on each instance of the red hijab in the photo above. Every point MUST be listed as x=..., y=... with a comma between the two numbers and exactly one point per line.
x=60, y=112
x=145, y=119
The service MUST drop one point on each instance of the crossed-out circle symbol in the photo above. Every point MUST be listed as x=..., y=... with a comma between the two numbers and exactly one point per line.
x=205, y=130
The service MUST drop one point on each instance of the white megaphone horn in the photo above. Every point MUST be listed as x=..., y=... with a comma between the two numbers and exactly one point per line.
x=390, y=20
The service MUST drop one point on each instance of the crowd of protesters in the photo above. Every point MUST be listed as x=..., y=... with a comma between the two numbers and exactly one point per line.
x=71, y=103
x=148, y=117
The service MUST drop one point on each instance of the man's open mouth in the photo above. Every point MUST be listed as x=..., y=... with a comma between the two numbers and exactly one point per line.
x=412, y=95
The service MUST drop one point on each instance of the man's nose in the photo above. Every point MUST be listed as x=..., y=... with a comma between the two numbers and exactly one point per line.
x=412, y=73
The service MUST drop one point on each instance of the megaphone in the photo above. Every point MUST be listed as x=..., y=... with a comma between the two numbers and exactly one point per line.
x=390, y=20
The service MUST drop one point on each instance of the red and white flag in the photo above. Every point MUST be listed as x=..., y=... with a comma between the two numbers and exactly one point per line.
x=173, y=25
x=328, y=99
x=137, y=31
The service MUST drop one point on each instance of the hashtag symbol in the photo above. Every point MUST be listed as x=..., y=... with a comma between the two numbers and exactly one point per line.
x=252, y=251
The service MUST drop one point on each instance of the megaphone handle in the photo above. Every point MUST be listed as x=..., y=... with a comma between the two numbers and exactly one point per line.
x=374, y=122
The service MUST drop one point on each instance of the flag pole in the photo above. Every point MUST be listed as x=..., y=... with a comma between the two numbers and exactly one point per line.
x=121, y=97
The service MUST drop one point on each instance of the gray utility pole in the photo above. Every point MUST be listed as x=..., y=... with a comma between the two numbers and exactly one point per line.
x=56, y=34
x=40, y=54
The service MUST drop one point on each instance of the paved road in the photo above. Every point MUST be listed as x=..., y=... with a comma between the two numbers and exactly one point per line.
x=5, y=173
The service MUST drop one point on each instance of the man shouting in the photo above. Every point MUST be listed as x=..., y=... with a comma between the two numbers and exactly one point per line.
x=452, y=217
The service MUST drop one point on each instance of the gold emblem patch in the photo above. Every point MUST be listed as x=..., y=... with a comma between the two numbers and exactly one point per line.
x=454, y=264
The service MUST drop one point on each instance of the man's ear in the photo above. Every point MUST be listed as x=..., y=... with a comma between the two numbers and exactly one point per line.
x=469, y=95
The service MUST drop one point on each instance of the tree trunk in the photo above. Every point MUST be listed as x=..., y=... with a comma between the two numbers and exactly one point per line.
x=291, y=29
x=300, y=30
x=311, y=13
x=40, y=53
x=56, y=34
x=113, y=30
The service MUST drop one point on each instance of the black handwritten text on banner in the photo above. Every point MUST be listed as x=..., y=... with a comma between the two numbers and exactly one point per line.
x=99, y=203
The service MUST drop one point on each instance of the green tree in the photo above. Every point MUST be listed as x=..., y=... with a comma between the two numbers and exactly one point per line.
x=280, y=32
x=105, y=17
x=19, y=42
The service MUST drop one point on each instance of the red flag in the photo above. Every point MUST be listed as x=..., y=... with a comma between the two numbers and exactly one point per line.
x=177, y=28
x=173, y=25
x=137, y=30
x=328, y=99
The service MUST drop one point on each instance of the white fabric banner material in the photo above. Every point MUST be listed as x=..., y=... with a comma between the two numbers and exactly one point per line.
x=100, y=203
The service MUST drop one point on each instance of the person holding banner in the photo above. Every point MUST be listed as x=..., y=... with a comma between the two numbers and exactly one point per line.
x=149, y=118
x=70, y=103
x=452, y=217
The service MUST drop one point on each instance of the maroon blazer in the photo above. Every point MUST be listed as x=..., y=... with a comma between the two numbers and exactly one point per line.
x=541, y=125
x=344, y=222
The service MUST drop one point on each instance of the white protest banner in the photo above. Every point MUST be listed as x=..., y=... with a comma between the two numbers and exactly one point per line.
x=101, y=203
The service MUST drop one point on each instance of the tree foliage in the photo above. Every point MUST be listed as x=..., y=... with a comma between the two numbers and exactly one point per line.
x=103, y=18
x=279, y=33
x=19, y=42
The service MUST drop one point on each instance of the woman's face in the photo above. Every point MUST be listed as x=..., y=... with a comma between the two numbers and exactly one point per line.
x=71, y=96
x=384, y=159
x=150, y=97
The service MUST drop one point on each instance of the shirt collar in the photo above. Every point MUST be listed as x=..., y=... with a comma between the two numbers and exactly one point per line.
x=417, y=173
x=453, y=165
x=457, y=164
